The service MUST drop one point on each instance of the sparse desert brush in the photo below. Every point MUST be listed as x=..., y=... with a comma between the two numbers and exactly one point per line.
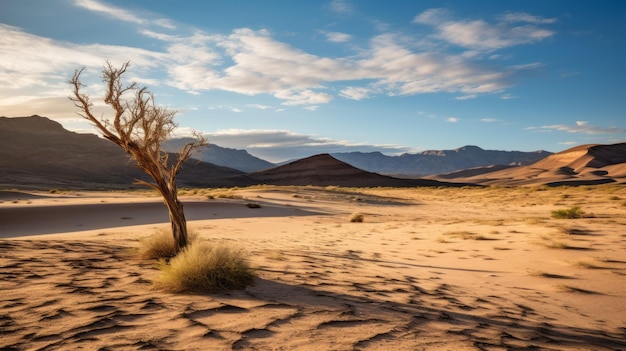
x=357, y=218
x=570, y=213
x=228, y=195
x=465, y=235
x=205, y=267
x=535, y=220
x=160, y=245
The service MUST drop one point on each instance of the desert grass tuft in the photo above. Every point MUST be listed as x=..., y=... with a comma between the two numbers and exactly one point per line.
x=570, y=213
x=160, y=245
x=205, y=267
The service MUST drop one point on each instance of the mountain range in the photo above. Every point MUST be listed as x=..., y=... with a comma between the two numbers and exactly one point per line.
x=221, y=156
x=38, y=153
x=438, y=161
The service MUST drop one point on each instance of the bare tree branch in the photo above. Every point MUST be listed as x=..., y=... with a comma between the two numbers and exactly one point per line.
x=140, y=126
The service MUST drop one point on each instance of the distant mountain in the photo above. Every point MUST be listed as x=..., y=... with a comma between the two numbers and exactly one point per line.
x=438, y=161
x=325, y=170
x=581, y=165
x=221, y=156
x=36, y=152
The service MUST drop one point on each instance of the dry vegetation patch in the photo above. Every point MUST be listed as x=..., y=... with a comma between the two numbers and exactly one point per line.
x=205, y=267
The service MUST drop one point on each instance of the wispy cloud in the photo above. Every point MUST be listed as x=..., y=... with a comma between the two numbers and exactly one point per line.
x=337, y=37
x=466, y=97
x=121, y=14
x=37, y=69
x=452, y=119
x=581, y=127
x=508, y=96
x=525, y=17
x=482, y=35
x=355, y=93
x=489, y=120
x=341, y=6
x=110, y=10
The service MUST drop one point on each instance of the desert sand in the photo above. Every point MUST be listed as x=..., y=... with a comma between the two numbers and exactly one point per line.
x=427, y=269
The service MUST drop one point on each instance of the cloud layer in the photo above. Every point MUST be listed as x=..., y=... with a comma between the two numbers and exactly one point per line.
x=248, y=61
x=282, y=145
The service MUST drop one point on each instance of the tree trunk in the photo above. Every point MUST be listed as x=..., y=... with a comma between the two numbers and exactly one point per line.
x=177, y=220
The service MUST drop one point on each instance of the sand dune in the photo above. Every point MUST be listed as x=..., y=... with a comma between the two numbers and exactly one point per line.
x=581, y=165
x=429, y=269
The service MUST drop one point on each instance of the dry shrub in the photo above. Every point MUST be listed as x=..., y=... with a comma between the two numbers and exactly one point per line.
x=357, y=218
x=160, y=245
x=205, y=267
x=465, y=235
x=570, y=213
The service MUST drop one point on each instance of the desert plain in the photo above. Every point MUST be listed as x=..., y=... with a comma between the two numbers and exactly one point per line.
x=472, y=268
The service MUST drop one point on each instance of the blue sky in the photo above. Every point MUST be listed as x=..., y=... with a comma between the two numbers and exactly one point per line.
x=287, y=79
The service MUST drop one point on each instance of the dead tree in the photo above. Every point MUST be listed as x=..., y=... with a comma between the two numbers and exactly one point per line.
x=140, y=126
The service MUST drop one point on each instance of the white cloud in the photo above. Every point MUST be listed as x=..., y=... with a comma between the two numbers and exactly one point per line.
x=341, y=6
x=259, y=106
x=337, y=37
x=481, y=35
x=432, y=16
x=165, y=23
x=580, y=127
x=452, y=119
x=38, y=68
x=253, y=62
x=355, y=93
x=489, y=120
x=466, y=97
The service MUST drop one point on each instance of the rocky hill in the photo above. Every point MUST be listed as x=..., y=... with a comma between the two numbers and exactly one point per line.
x=36, y=152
